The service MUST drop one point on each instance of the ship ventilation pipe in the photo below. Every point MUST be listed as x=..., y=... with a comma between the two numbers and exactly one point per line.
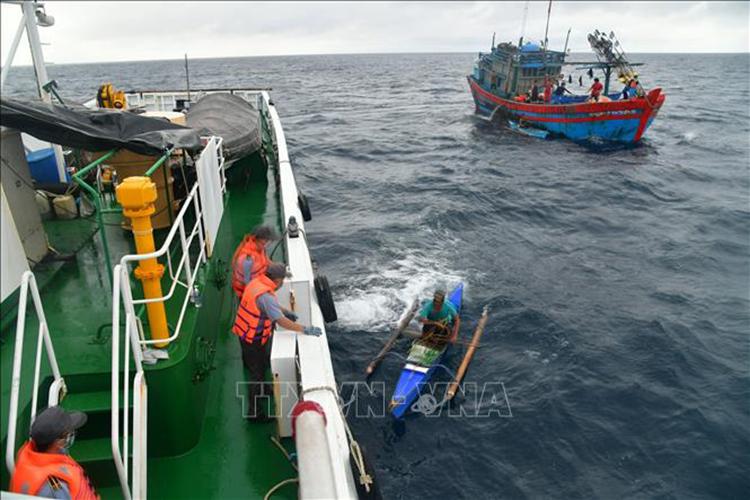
x=137, y=196
x=313, y=456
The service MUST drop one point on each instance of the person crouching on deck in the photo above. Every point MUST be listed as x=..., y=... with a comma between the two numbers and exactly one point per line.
x=43, y=466
x=257, y=315
x=436, y=316
x=249, y=260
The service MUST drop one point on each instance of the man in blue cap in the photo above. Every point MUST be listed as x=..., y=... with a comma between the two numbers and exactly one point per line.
x=43, y=466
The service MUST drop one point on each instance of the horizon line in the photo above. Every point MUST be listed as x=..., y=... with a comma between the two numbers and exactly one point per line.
x=344, y=54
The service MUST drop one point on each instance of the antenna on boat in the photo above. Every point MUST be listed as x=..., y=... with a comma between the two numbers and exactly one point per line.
x=567, y=38
x=523, y=23
x=546, y=30
x=492, y=47
x=187, y=77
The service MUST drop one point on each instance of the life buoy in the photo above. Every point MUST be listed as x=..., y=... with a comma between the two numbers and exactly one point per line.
x=304, y=207
x=325, y=299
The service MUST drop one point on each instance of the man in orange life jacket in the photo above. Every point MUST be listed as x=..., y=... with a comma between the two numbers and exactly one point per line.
x=257, y=315
x=43, y=466
x=250, y=260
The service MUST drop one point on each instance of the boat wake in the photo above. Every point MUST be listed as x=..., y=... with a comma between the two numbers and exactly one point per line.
x=376, y=302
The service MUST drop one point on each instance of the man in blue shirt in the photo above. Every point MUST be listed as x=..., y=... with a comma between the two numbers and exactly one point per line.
x=437, y=317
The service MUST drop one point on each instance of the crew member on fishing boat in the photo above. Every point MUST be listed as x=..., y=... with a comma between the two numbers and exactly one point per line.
x=560, y=92
x=43, y=466
x=547, y=90
x=534, y=92
x=596, y=90
x=250, y=260
x=437, y=316
x=257, y=315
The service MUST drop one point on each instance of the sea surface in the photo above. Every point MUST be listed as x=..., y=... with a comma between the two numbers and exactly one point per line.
x=617, y=351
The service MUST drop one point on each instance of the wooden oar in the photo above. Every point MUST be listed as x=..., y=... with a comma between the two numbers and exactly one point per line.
x=392, y=340
x=453, y=388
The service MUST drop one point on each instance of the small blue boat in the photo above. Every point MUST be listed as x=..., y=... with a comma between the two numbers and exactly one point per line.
x=420, y=365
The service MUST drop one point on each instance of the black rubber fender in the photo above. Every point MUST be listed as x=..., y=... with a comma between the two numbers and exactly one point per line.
x=325, y=299
x=304, y=207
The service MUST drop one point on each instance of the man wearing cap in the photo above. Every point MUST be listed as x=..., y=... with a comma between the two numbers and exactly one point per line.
x=257, y=315
x=249, y=259
x=436, y=315
x=43, y=466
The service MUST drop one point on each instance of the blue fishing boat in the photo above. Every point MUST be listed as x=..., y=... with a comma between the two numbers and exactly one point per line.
x=420, y=365
x=502, y=85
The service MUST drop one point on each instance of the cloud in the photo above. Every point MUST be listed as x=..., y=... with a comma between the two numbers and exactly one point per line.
x=122, y=31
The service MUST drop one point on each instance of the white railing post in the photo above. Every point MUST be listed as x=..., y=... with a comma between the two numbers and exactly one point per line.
x=29, y=282
x=37, y=370
x=115, y=386
x=15, y=383
x=132, y=479
x=199, y=222
x=185, y=253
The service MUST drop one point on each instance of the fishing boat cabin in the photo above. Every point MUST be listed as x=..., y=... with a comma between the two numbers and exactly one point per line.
x=508, y=70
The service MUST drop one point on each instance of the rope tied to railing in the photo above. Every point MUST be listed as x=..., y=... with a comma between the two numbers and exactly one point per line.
x=365, y=479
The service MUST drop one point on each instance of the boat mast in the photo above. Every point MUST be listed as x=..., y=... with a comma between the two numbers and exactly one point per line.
x=34, y=13
x=187, y=78
x=546, y=41
x=546, y=30
x=567, y=38
x=523, y=22
x=12, y=52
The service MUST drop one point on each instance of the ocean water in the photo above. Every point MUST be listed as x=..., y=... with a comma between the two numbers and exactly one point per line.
x=618, y=278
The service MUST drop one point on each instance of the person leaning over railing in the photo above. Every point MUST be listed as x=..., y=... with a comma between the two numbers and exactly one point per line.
x=43, y=466
x=257, y=315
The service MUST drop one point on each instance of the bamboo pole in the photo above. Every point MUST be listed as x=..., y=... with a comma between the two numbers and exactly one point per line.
x=453, y=387
x=392, y=340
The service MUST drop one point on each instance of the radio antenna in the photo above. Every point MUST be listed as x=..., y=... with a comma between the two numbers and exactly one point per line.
x=523, y=22
x=187, y=77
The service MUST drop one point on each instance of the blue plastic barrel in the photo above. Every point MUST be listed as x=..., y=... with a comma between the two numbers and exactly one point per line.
x=43, y=165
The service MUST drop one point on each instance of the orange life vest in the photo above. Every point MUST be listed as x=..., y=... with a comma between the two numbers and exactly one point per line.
x=247, y=248
x=250, y=320
x=33, y=469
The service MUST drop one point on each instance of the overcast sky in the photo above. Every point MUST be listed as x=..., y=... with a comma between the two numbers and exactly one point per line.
x=128, y=31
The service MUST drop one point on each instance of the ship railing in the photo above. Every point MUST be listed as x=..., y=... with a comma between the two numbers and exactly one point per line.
x=58, y=388
x=311, y=368
x=205, y=202
x=170, y=100
x=133, y=484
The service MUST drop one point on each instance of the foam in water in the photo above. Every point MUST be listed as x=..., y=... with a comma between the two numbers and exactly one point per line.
x=378, y=301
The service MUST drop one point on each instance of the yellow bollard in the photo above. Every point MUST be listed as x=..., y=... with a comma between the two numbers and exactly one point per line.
x=137, y=196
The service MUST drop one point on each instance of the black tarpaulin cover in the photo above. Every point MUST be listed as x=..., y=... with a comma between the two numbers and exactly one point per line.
x=96, y=130
x=228, y=116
